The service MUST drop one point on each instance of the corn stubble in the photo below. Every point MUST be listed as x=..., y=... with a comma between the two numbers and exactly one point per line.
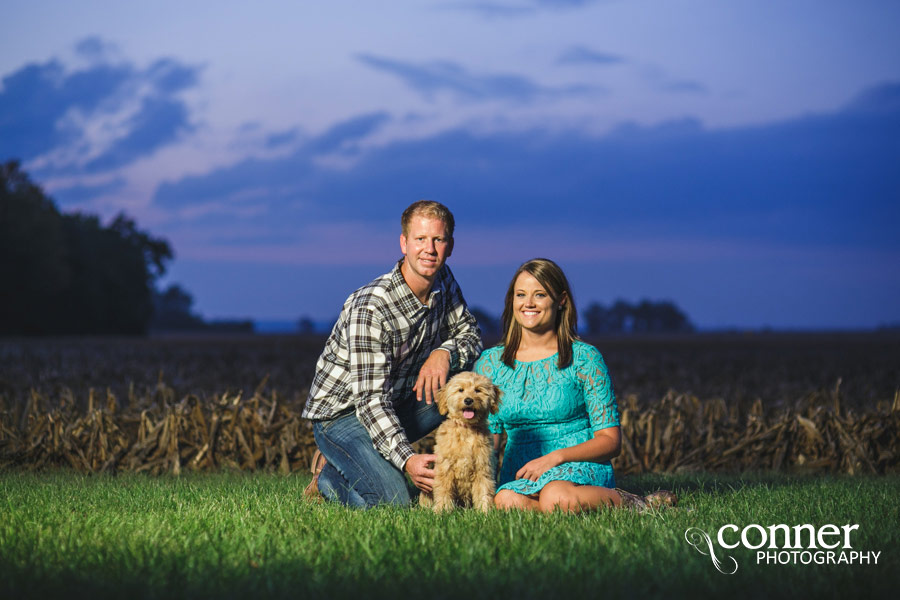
x=158, y=432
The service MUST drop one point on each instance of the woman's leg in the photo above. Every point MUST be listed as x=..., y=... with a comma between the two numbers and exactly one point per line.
x=569, y=497
x=510, y=500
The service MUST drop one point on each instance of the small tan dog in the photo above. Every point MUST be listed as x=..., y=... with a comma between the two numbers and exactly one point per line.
x=463, y=471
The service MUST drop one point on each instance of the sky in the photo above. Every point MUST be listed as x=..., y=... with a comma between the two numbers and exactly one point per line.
x=740, y=158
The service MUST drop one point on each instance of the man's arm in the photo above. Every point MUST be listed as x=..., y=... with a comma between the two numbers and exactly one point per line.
x=432, y=375
x=462, y=337
x=459, y=351
x=370, y=368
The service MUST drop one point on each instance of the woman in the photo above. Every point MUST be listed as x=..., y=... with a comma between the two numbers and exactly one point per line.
x=558, y=407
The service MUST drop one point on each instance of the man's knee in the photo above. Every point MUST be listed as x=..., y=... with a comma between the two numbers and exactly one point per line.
x=389, y=493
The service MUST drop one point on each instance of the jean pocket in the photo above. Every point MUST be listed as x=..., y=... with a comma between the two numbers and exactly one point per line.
x=327, y=424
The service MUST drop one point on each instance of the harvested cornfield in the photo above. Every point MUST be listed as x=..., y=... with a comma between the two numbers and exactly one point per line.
x=683, y=433
x=156, y=433
x=742, y=412
x=160, y=433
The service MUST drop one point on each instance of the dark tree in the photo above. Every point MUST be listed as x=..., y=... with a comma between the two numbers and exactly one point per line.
x=172, y=311
x=305, y=325
x=113, y=270
x=33, y=256
x=645, y=317
x=607, y=320
x=69, y=273
x=654, y=317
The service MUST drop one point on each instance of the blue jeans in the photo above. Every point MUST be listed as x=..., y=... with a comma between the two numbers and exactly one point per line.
x=357, y=474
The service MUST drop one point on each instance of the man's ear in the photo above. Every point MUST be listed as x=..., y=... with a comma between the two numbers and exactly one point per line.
x=403, y=244
x=441, y=399
x=449, y=248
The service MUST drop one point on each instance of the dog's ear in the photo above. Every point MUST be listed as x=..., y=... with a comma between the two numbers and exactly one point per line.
x=495, y=404
x=441, y=399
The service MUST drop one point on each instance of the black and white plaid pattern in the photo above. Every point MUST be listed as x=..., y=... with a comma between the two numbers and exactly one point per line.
x=377, y=347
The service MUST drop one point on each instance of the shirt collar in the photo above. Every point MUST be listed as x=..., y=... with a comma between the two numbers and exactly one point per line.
x=405, y=296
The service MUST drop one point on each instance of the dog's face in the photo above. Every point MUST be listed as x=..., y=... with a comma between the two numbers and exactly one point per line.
x=468, y=397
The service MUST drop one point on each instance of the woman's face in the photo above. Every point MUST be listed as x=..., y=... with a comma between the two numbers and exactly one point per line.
x=533, y=308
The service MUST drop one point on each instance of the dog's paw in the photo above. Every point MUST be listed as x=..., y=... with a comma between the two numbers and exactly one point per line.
x=485, y=503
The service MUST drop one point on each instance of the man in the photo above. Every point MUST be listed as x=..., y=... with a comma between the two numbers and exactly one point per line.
x=395, y=344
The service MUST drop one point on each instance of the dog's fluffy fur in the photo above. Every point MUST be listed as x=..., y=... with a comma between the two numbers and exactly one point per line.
x=463, y=471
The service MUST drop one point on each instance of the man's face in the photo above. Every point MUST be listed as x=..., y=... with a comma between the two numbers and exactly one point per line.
x=427, y=246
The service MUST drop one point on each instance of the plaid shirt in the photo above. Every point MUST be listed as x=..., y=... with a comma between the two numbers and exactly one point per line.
x=373, y=356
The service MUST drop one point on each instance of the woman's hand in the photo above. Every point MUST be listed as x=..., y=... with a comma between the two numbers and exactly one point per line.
x=605, y=445
x=533, y=469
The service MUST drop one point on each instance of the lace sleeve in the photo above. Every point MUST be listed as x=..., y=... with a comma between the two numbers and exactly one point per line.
x=485, y=366
x=598, y=393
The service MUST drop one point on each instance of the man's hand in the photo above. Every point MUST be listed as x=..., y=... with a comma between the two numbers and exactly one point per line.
x=432, y=375
x=420, y=468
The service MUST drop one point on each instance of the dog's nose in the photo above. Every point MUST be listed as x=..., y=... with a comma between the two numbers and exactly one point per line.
x=468, y=402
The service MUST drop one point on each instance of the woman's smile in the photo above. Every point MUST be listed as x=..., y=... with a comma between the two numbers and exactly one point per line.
x=535, y=309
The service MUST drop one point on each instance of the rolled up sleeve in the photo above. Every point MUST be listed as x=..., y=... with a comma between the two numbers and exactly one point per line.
x=370, y=368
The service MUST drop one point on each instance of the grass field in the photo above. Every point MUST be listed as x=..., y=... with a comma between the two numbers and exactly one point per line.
x=232, y=535
x=239, y=535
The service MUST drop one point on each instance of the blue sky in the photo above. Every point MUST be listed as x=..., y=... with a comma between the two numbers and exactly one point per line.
x=740, y=158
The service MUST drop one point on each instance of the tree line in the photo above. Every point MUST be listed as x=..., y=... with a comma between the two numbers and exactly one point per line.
x=173, y=311
x=69, y=273
x=644, y=317
x=621, y=317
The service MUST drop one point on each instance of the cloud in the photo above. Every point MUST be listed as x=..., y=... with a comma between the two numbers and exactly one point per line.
x=660, y=80
x=78, y=194
x=171, y=77
x=444, y=76
x=683, y=86
x=562, y=3
x=158, y=122
x=101, y=116
x=349, y=131
x=94, y=48
x=35, y=99
x=580, y=55
x=513, y=9
x=826, y=180
x=261, y=186
x=283, y=138
x=790, y=224
x=490, y=10
x=879, y=100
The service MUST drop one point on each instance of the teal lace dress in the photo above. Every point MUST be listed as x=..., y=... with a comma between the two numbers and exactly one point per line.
x=545, y=408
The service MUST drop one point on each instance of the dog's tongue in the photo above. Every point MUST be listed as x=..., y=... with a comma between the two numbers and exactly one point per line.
x=469, y=413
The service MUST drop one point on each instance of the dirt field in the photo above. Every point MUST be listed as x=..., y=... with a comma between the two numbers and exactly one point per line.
x=778, y=368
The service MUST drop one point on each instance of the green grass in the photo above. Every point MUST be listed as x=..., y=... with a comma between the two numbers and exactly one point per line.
x=239, y=536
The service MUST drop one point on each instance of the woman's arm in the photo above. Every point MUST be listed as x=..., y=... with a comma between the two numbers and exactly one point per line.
x=605, y=445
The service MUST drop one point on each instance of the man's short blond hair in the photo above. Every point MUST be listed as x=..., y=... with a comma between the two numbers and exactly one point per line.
x=430, y=209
